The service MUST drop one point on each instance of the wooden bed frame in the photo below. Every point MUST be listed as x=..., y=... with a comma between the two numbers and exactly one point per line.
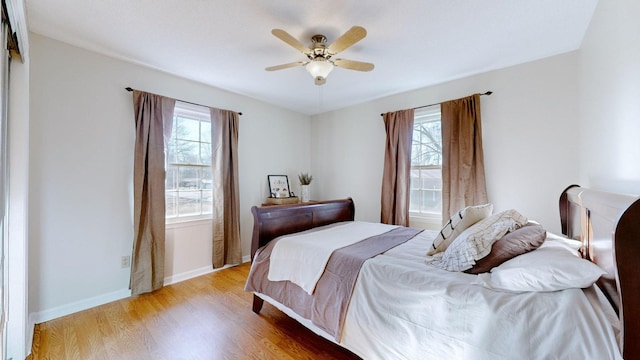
x=269, y=222
x=607, y=224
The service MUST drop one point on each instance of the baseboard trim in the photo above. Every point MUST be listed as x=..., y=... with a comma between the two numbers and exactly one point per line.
x=197, y=272
x=54, y=313
x=74, y=307
x=188, y=275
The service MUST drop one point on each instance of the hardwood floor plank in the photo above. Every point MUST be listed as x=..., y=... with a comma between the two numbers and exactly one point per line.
x=90, y=344
x=71, y=349
x=208, y=318
x=35, y=348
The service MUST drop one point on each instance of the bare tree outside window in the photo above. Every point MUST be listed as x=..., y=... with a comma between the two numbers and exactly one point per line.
x=426, y=162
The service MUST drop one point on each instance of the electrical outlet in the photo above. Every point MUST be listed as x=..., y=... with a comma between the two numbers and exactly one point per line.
x=125, y=262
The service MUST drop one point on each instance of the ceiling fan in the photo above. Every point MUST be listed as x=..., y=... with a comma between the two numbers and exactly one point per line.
x=320, y=54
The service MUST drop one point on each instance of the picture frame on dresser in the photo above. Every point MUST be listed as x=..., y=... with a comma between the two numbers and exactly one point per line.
x=279, y=186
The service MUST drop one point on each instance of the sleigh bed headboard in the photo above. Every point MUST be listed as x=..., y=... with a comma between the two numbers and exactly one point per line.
x=608, y=225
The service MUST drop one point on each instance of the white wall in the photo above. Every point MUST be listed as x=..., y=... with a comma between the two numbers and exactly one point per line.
x=81, y=160
x=610, y=98
x=531, y=150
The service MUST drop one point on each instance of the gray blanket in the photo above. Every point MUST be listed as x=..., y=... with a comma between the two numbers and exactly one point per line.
x=328, y=305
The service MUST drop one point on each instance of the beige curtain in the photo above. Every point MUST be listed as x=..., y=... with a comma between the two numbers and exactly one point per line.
x=226, y=202
x=463, y=181
x=154, y=118
x=396, y=179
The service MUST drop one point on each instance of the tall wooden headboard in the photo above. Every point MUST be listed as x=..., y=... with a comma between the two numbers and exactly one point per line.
x=608, y=225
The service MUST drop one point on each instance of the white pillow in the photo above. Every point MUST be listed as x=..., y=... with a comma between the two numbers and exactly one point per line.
x=475, y=242
x=544, y=269
x=457, y=224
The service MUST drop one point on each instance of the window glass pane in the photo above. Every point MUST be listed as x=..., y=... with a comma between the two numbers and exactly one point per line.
x=187, y=152
x=207, y=178
x=187, y=129
x=170, y=205
x=205, y=153
x=173, y=127
x=431, y=190
x=189, y=178
x=171, y=151
x=426, y=190
x=427, y=144
x=207, y=202
x=171, y=179
x=205, y=131
x=414, y=192
x=189, y=203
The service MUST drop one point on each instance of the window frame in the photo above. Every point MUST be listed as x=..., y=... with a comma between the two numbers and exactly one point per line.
x=426, y=218
x=201, y=114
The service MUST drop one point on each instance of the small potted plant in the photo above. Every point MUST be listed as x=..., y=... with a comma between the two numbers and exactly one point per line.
x=305, y=180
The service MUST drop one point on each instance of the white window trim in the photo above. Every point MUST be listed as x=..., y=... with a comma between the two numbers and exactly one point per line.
x=187, y=221
x=196, y=112
x=191, y=111
x=431, y=221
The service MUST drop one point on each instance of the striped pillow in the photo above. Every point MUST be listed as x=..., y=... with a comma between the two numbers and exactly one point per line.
x=475, y=242
x=457, y=224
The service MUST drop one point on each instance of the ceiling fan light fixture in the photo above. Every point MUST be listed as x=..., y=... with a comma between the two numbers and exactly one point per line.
x=319, y=69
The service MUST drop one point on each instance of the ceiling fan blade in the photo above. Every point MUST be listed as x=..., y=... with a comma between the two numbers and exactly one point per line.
x=285, y=66
x=353, y=65
x=347, y=39
x=286, y=37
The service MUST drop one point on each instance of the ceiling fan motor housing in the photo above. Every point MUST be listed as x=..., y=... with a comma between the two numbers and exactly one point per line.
x=319, y=39
x=318, y=46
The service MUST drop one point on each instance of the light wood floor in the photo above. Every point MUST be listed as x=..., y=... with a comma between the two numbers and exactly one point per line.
x=208, y=317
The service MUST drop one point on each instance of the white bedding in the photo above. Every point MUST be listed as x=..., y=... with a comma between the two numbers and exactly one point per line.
x=402, y=308
x=311, y=250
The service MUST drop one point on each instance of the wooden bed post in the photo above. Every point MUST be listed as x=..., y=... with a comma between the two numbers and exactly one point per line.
x=565, y=210
x=257, y=304
x=627, y=255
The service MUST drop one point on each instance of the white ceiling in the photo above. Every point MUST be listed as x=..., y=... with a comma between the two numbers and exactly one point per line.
x=227, y=44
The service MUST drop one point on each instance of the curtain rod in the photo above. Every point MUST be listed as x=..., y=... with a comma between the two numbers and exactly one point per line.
x=188, y=102
x=424, y=106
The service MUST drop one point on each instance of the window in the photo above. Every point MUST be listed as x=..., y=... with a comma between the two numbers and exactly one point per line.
x=426, y=163
x=189, y=176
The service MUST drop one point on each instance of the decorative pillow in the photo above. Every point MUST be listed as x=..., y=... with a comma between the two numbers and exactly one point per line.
x=527, y=238
x=457, y=224
x=475, y=242
x=544, y=269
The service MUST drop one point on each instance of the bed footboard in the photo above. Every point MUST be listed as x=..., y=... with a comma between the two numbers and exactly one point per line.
x=269, y=222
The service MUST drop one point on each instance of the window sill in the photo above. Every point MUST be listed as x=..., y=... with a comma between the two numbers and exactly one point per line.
x=425, y=221
x=187, y=222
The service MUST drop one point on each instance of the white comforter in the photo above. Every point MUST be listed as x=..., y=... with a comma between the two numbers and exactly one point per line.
x=404, y=309
x=313, y=249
